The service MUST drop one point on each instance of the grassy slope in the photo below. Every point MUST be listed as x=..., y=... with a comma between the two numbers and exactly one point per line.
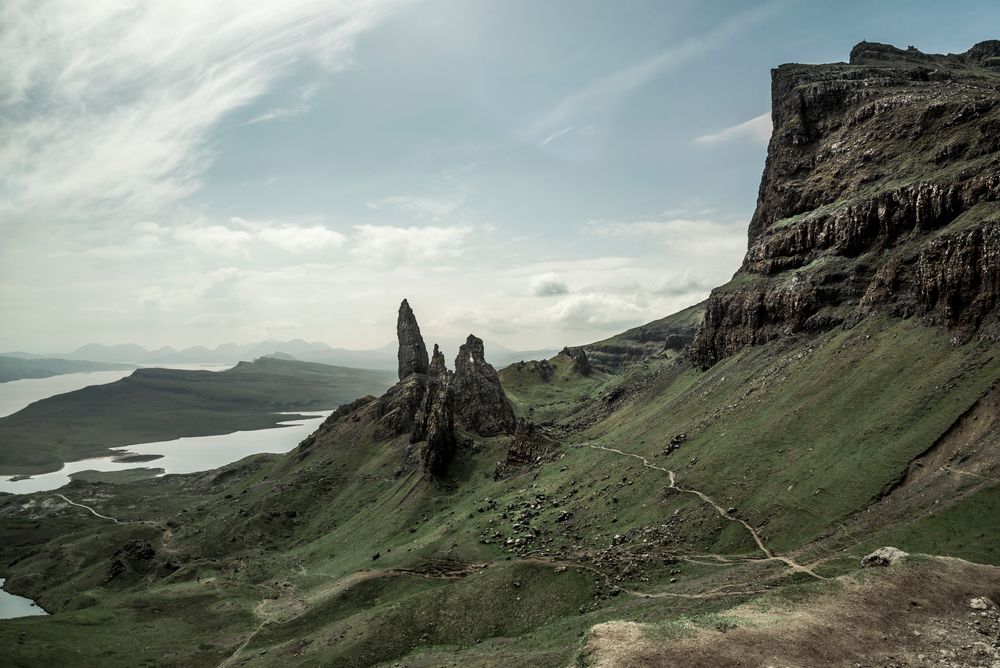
x=160, y=404
x=560, y=396
x=290, y=540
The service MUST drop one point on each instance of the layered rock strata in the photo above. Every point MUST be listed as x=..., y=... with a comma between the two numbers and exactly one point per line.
x=880, y=194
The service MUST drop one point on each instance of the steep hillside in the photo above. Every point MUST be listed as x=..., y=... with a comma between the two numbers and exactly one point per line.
x=702, y=508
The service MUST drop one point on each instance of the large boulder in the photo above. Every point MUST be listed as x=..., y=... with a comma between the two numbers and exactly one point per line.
x=480, y=402
x=412, y=354
x=884, y=556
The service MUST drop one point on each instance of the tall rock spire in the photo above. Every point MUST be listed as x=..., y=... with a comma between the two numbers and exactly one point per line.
x=412, y=351
x=480, y=402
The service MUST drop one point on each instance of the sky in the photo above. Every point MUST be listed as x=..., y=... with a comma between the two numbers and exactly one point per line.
x=538, y=173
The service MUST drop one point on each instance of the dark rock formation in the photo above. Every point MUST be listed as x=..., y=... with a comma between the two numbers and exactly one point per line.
x=581, y=364
x=660, y=337
x=396, y=410
x=543, y=368
x=480, y=402
x=880, y=194
x=435, y=420
x=133, y=556
x=412, y=351
x=529, y=446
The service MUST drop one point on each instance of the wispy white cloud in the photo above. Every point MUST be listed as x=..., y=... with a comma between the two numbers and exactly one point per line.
x=603, y=93
x=426, y=207
x=106, y=108
x=597, y=311
x=720, y=239
x=409, y=245
x=757, y=130
x=236, y=239
x=556, y=135
x=301, y=105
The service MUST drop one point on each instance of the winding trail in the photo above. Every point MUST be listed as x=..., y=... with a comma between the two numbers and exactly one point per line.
x=769, y=554
x=92, y=511
x=243, y=645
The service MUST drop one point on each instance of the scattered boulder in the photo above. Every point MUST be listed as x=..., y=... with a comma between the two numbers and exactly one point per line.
x=981, y=603
x=884, y=556
x=675, y=443
x=412, y=354
x=480, y=402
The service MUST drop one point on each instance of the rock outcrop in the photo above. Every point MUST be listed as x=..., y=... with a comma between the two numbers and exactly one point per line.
x=543, y=368
x=528, y=447
x=435, y=420
x=881, y=193
x=412, y=351
x=581, y=364
x=395, y=413
x=661, y=337
x=884, y=556
x=480, y=402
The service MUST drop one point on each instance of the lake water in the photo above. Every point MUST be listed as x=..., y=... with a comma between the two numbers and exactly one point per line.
x=17, y=606
x=16, y=394
x=182, y=455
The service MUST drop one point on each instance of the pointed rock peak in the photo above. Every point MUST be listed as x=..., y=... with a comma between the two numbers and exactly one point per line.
x=412, y=351
x=437, y=366
x=480, y=402
x=473, y=347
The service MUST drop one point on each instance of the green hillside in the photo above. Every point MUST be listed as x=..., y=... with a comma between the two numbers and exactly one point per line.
x=343, y=553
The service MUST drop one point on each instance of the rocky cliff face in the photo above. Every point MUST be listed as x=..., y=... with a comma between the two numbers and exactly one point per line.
x=412, y=351
x=480, y=402
x=435, y=420
x=880, y=194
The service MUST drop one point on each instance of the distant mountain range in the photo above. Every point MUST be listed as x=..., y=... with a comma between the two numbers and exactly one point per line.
x=383, y=357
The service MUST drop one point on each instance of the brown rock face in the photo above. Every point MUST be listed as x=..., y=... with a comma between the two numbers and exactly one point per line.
x=435, y=420
x=879, y=194
x=412, y=351
x=529, y=446
x=480, y=402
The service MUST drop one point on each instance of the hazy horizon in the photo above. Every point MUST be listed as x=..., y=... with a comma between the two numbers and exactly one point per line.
x=539, y=174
